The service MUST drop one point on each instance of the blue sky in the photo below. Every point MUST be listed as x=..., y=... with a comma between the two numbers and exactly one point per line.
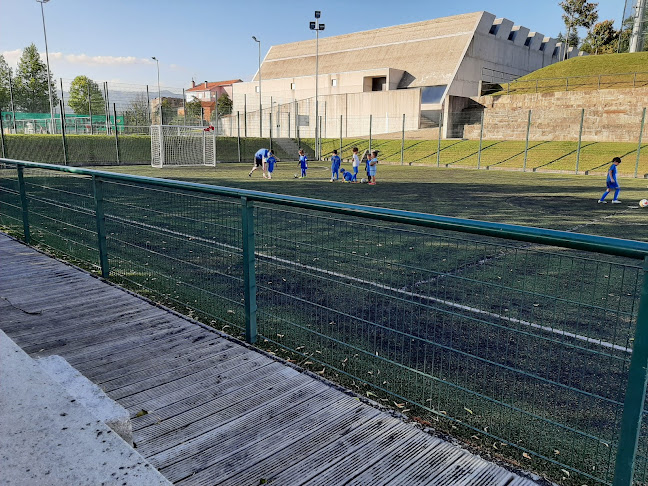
x=113, y=40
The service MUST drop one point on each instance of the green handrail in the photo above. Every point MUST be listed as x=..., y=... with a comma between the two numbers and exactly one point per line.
x=577, y=241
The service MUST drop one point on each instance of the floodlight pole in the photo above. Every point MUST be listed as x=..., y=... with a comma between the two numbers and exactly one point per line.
x=49, y=83
x=260, y=100
x=157, y=61
x=316, y=26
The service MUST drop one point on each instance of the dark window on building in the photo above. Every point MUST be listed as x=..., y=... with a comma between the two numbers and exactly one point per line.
x=494, y=28
x=527, y=42
x=432, y=94
x=512, y=35
x=379, y=84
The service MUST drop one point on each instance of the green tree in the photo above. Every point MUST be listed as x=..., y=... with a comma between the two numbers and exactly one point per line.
x=193, y=109
x=578, y=13
x=80, y=88
x=224, y=105
x=574, y=40
x=137, y=112
x=602, y=39
x=5, y=77
x=31, y=92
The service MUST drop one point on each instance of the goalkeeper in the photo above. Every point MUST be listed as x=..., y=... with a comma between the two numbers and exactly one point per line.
x=259, y=161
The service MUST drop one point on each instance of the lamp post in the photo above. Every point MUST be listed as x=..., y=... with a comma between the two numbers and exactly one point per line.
x=316, y=26
x=260, y=101
x=49, y=84
x=159, y=92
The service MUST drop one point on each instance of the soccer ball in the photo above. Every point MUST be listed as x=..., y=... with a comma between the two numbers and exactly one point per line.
x=363, y=180
x=643, y=203
x=296, y=176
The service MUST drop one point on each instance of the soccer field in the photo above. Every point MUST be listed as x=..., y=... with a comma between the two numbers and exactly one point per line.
x=522, y=347
x=554, y=201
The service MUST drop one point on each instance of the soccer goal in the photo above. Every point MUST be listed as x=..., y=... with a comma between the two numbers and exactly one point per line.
x=174, y=146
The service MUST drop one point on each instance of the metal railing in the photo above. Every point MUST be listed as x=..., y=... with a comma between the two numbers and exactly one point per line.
x=532, y=343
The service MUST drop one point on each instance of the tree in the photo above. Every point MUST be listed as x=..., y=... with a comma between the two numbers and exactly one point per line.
x=137, y=112
x=224, y=105
x=574, y=40
x=31, y=92
x=193, y=109
x=578, y=13
x=80, y=88
x=5, y=78
x=602, y=39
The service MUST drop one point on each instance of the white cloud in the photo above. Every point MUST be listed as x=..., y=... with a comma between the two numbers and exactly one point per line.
x=12, y=58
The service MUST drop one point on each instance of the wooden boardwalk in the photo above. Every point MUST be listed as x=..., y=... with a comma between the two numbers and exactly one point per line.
x=218, y=413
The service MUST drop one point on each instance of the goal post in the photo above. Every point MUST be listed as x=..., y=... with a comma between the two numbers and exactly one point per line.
x=175, y=146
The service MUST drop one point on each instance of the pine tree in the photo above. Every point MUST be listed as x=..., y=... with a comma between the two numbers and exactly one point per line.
x=30, y=88
x=5, y=77
x=82, y=87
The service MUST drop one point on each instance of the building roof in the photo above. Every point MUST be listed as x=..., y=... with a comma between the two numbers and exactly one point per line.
x=202, y=87
x=429, y=51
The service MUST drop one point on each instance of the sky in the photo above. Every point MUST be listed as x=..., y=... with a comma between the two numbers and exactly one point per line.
x=113, y=40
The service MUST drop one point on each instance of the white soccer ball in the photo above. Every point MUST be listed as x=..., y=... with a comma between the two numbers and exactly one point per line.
x=363, y=180
x=296, y=176
x=643, y=203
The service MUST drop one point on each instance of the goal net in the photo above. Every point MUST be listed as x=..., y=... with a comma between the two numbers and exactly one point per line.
x=173, y=146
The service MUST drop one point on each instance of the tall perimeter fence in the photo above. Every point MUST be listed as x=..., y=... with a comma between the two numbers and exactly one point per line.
x=529, y=343
x=575, y=141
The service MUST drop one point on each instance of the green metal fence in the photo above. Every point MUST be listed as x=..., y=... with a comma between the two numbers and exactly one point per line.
x=530, y=343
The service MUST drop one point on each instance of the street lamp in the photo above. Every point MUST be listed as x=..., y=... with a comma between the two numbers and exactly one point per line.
x=159, y=95
x=316, y=26
x=49, y=83
x=260, y=101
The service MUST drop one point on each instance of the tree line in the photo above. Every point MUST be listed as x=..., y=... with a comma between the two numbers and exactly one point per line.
x=28, y=86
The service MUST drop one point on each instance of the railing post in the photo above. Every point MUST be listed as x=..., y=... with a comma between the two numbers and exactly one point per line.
x=580, y=137
x=643, y=120
x=249, y=273
x=438, y=154
x=403, y=141
x=24, y=203
x=481, y=138
x=635, y=394
x=526, y=145
x=97, y=187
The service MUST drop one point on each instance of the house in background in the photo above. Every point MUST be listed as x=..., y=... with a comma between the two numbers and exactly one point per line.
x=208, y=93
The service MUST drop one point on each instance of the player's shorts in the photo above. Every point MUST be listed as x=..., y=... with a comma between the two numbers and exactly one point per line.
x=612, y=185
x=372, y=171
x=258, y=162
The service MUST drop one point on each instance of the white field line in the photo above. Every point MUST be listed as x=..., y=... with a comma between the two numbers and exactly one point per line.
x=377, y=285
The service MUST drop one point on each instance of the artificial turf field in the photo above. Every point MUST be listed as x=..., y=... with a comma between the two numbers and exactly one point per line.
x=546, y=200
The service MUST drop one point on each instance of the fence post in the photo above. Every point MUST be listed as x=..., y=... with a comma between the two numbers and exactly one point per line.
x=403, y=141
x=580, y=136
x=643, y=120
x=567, y=84
x=65, y=155
x=270, y=121
x=116, y=135
x=249, y=273
x=526, y=145
x=481, y=138
x=24, y=203
x=90, y=110
x=599, y=81
x=238, y=134
x=341, y=124
x=536, y=89
x=245, y=115
x=97, y=187
x=13, y=108
x=635, y=393
x=2, y=139
x=370, y=123
x=634, y=80
x=148, y=106
x=438, y=154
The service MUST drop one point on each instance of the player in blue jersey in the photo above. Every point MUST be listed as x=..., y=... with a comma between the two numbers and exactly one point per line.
x=612, y=182
x=270, y=164
x=335, y=166
x=259, y=160
x=372, y=165
x=303, y=163
x=346, y=175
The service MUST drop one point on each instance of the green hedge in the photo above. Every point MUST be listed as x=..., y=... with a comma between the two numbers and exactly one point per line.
x=81, y=149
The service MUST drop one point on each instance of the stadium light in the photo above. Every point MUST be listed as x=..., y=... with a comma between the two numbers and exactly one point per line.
x=159, y=92
x=260, y=101
x=316, y=26
x=49, y=83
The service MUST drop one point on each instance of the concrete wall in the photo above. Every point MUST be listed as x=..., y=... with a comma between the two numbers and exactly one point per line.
x=610, y=115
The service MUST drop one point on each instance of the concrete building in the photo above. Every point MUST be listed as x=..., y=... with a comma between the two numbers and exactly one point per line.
x=208, y=93
x=418, y=70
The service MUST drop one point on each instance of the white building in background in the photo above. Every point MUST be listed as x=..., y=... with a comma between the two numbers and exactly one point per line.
x=418, y=70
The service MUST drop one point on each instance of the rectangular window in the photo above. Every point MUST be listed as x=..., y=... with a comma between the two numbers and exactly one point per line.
x=293, y=86
x=256, y=89
x=379, y=84
x=333, y=82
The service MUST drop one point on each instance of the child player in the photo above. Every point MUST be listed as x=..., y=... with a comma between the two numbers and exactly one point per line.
x=372, y=166
x=346, y=175
x=335, y=166
x=356, y=163
x=270, y=164
x=259, y=157
x=303, y=162
x=612, y=182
